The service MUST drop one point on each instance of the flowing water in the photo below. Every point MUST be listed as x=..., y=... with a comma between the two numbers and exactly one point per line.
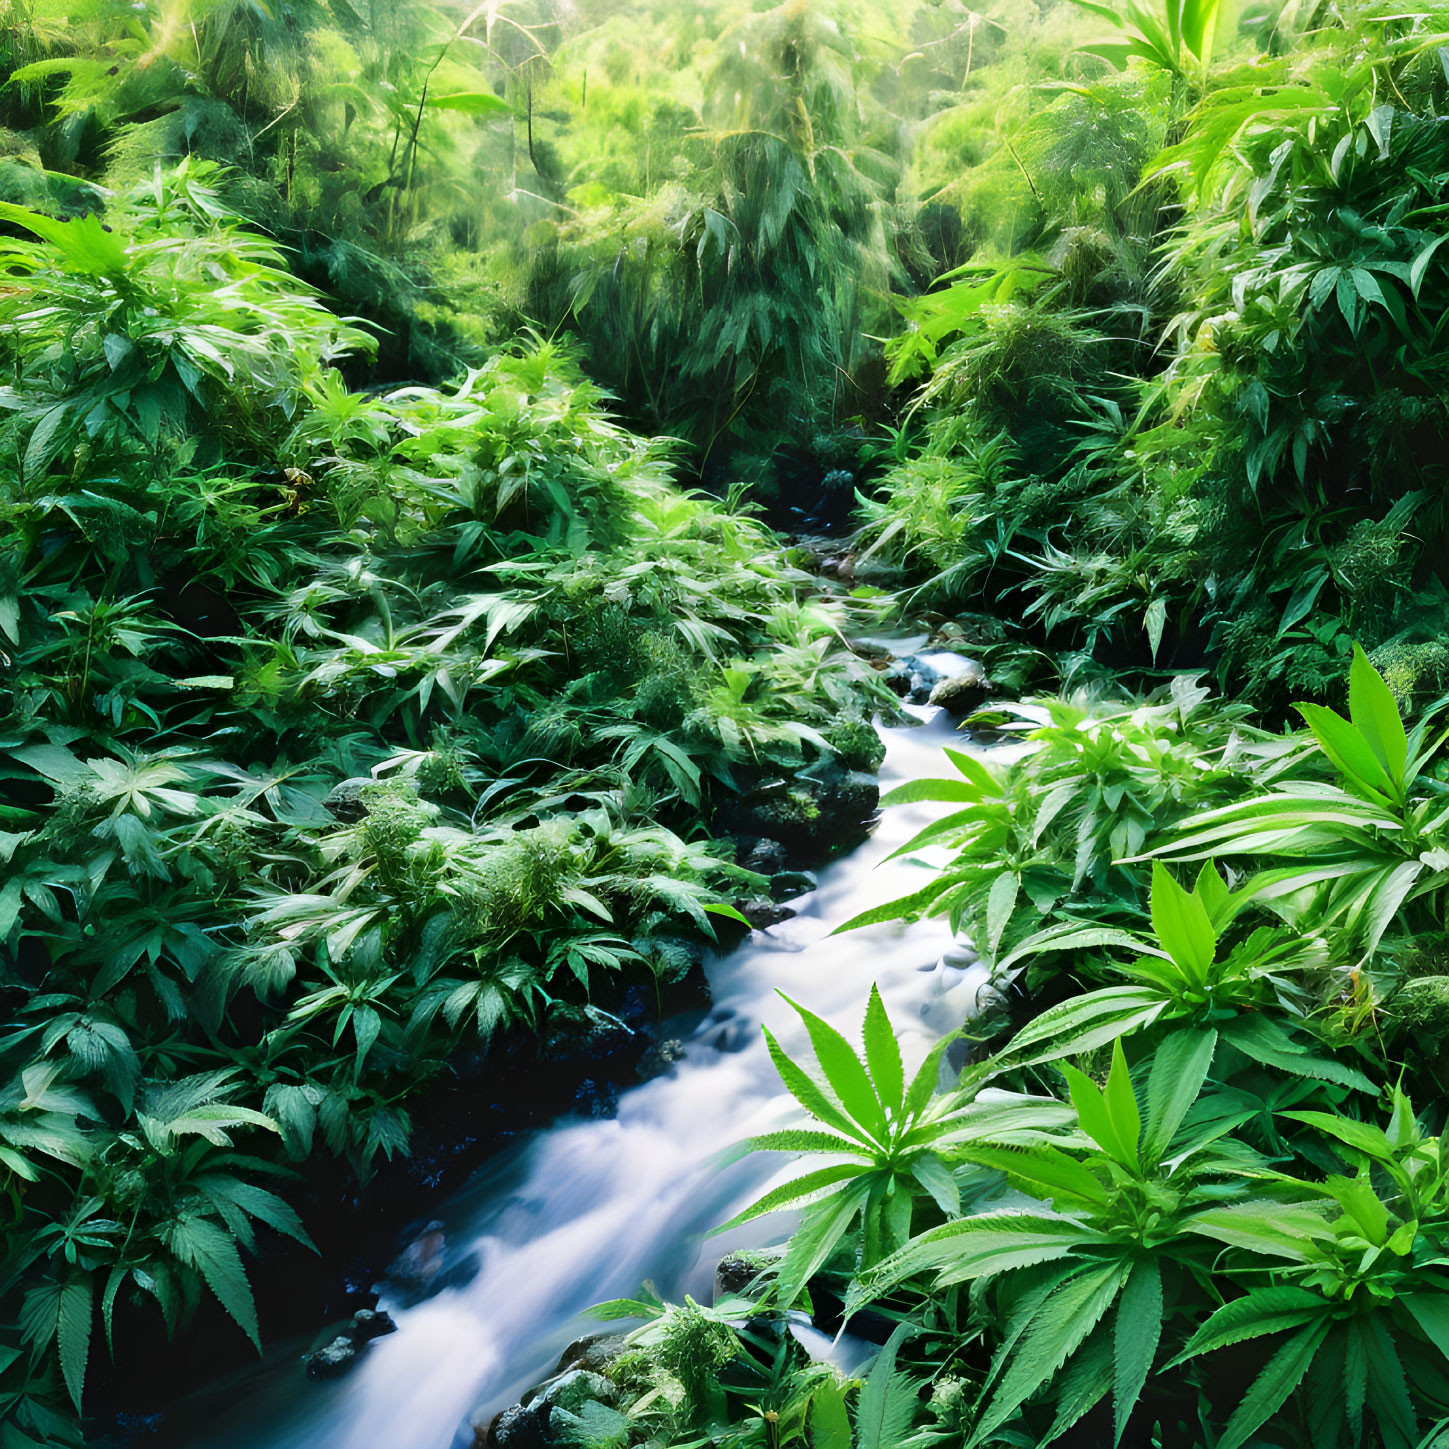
x=587, y=1210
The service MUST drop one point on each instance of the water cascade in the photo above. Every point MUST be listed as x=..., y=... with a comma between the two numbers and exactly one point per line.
x=587, y=1210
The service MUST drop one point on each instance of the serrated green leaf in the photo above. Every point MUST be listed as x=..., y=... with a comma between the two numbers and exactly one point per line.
x=1270, y=1390
x=1064, y=1320
x=883, y=1055
x=1180, y=1065
x=209, y=1249
x=888, y=1400
x=73, y=1334
x=809, y=1094
x=844, y=1072
x=1136, y=1332
x=792, y=1192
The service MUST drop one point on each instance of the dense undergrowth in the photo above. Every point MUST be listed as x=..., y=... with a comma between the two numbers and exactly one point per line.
x=340, y=729
x=1183, y=405
x=1191, y=1187
x=372, y=690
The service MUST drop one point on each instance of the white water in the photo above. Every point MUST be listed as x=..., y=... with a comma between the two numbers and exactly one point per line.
x=587, y=1210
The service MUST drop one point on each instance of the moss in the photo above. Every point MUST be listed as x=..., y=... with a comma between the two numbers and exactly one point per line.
x=694, y=1347
x=861, y=748
x=632, y=1371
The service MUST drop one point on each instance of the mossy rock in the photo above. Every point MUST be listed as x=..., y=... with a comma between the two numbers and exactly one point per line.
x=815, y=820
x=861, y=748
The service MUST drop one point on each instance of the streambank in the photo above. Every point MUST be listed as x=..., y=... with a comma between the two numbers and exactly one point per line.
x=589, y=1208
x=523, y=1080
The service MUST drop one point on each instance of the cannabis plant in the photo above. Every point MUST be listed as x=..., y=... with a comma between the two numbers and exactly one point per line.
x=1186, y=977
x=1118, y=1238
x=1364, y=850
x=1358, y=1292
x=894, y=1132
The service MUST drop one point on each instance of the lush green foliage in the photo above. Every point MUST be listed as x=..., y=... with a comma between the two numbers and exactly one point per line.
x=1264, y=486
x=1183, y=1207
x=369, y=691
x=712, y=199
x=898, y=1132
x=1218, y=1147
x=340, y=729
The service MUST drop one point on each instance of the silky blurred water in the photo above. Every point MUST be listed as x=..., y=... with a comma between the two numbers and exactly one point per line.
x=587, y=1210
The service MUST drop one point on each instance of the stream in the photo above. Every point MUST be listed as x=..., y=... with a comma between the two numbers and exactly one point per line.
x=588, y=1209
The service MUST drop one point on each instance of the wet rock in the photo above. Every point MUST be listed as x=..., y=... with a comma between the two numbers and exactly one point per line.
x=961, y=693
x=660, y=1058
x=731, y=1037
x=420, y=1264
x=788, y=884
x=959, y=956
x=950, y=636
x=773, y=809
x=575, y=1388
x=815, y=817
x=594, y=1352
x=348, y=800
x=847, y=805
x=596, y=1099
x=917, y=677
x=332, y=1360
x=735, y=1272
x=590, y=1050
x=898, y=677
x=872, y=650
x=422, y=1268
x=858, y=743
x=370, y=1323
x=338, y=1355
x=529, y=1424
x=831, y=504
x=762, y=855
x=521, y=1426
x=762, y=912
